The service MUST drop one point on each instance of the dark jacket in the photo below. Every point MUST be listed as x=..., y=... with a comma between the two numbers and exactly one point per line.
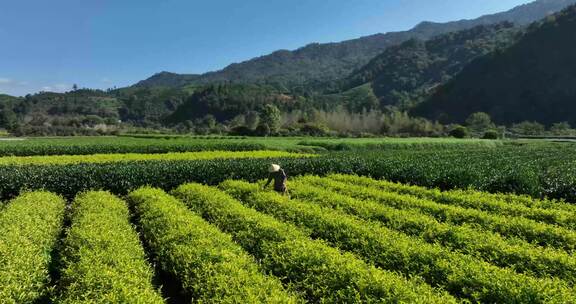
x=279, y=180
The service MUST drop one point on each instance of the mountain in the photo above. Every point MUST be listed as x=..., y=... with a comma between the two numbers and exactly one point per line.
x=533, y=80
x=315, y=66
x=404, y=74
x=167, y=79
x=520, y=15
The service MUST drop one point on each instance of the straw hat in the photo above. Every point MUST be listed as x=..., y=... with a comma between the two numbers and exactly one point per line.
x=273, y=168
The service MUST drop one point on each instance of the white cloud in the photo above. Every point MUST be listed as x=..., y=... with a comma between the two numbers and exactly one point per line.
x=105, y=80
x=57, y=88
x=5, y=80
x=63, y=87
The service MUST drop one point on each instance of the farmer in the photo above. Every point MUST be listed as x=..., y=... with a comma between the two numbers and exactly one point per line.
x=279, y=176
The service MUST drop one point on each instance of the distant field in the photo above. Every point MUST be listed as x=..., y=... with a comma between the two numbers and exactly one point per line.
x=105, y=145
x=165, y=144
x=342, y=144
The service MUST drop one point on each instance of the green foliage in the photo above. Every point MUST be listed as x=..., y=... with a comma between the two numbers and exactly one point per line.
x=316, y=130
x=528, y=128
x=479, y=122
x=112, y=158
x=491, y=134
x=270, y=116
x=524, y=257
x=562, y=128
x=103, y=259
x=262, y=130
x=526, y=229
x=321, y=273
x=88, y=145
x=30, y=226
x=459, y=132
x=459, y=274
x=402, y=75
x=208, y=264
x=369, y=144
x=529, y=81
x=360, y=99
x=537, y=170
x=226, y=101
x=556, y=213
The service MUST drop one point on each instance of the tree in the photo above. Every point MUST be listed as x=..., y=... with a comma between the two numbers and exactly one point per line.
x=459, y=132
x=270, y=116
x=561, y=128
x=262, y=130
x=479, y=122
x=7, y=117
x=92, y=120
x=74, y=87
x=491, y=134
x=209, y=121
x=251, y=120
x=528, y=128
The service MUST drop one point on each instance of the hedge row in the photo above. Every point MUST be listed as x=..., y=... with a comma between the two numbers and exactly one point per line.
x=534, y=232
x=461, y=275
x=121, y=178
x=473, y=199
x=29, y=229
x=105, y=145
x=319, y=272
x=491, y=247
x=206, y=262
x=112, y=158
x=533, y=171
x=103, y=259
x=400, y=144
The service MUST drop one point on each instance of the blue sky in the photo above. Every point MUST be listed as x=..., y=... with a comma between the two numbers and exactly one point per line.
x=49, y=45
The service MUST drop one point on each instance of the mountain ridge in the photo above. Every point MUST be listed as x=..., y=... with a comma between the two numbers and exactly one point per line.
x=315, y=65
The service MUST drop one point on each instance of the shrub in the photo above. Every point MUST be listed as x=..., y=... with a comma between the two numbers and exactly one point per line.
x=531, y=169
x=459, y=274
x=314, y=130
x=208, y=264
x=534, y=232
x=29, y=228
x=104, y=260
x=489, y=246
x=459, y=132
x=241, y=131
x=491, y=134
x=317, y=271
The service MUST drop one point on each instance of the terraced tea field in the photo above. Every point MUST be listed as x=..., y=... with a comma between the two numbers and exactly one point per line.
x=153, y=220
x=338, y=238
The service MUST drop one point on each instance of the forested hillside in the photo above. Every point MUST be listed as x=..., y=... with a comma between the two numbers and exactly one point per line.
x=533, y=80
x=47, y=113
x=315, y=66
x=493, y=64
x=403, y=75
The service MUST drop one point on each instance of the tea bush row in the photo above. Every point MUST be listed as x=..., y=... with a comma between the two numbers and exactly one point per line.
x=29, y=229
x=461, y=275
x=317, y=271
x=208, y=265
